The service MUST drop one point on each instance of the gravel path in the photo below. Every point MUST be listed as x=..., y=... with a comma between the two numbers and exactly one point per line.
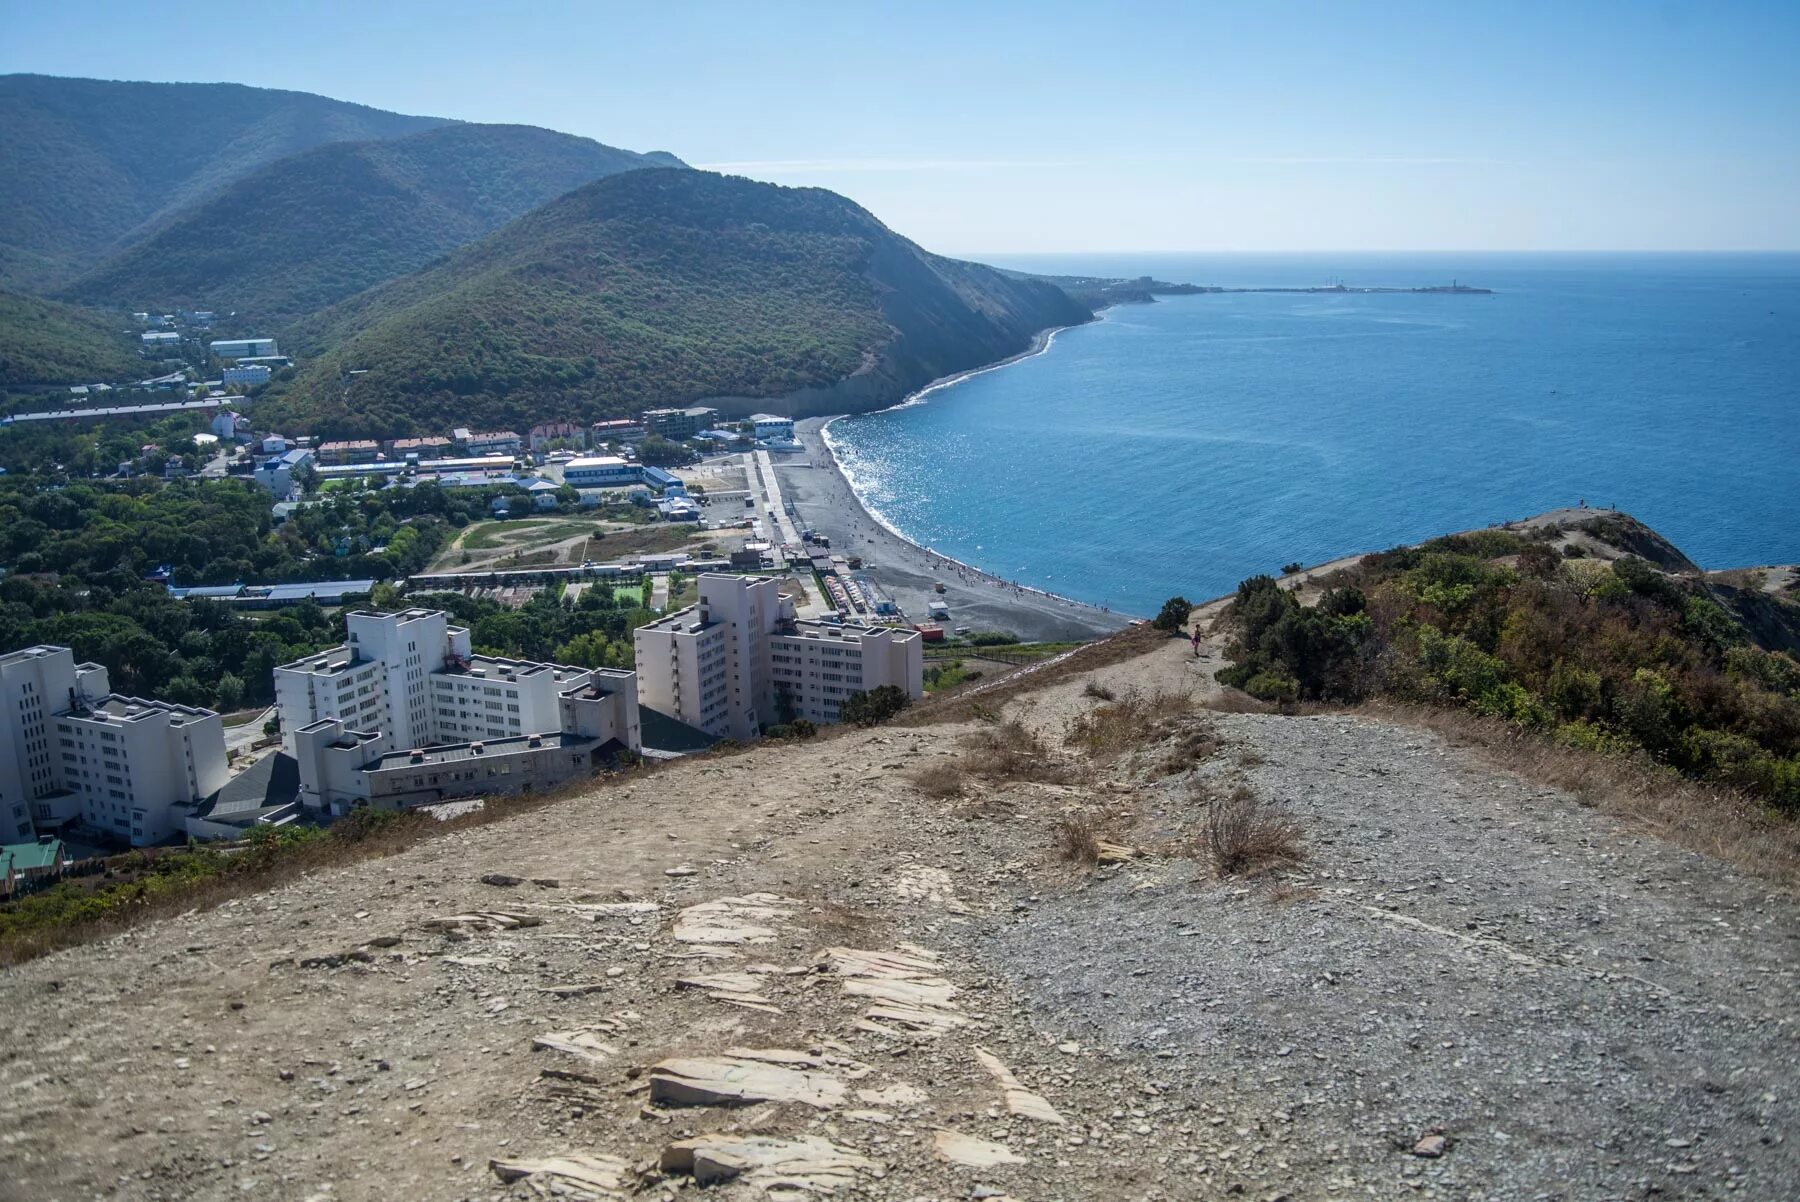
x=1584, y=1013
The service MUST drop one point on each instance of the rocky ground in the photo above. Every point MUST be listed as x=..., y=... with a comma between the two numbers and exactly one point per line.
x=793, y=970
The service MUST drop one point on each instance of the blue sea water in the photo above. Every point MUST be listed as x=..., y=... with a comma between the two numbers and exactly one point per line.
x=1180, y=446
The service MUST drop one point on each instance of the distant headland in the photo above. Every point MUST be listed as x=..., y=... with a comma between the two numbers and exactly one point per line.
x=1101, y=291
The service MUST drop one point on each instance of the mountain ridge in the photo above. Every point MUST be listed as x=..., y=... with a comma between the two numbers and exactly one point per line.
x=663, y=287
x=91, y=161
x=311, y=229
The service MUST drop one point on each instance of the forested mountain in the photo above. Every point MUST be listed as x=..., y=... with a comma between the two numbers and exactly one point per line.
x=46, y=343
x=89, y=163
x=661, y=287
x=307, y=231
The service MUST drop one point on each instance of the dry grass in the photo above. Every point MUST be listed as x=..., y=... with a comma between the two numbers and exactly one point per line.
x=940, y=780
x=1236, y=701
x=1133, y=720
x=1722, y=823
x=1098, y=691
x=961, y=704
x=1246, y=835
x=1008, y=751
x=1078, y=841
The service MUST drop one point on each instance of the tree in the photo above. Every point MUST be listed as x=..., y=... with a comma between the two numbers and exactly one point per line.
x=1174, y=614
x=875, y=706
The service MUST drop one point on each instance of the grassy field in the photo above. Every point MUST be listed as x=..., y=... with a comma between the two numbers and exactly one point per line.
x=648, y=540
x=522, y=535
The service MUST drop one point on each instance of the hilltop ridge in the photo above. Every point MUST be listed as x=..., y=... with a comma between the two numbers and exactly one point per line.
x=301, y=233
x=983, y=948
x=93, y=163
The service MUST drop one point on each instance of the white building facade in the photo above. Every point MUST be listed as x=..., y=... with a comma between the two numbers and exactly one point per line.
x=74, y=753
x=738, y=660
x=412, y=678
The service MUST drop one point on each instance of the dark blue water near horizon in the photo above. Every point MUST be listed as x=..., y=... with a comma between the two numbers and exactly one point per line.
x=1181, y=446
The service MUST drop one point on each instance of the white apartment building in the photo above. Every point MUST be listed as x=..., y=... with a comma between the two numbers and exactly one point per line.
x=411, y=677
x=71, y=751
x=134, y=765
x=738, y=660
x=36, y=684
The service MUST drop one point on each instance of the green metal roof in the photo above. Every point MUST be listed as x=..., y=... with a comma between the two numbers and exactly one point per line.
x=24, y=857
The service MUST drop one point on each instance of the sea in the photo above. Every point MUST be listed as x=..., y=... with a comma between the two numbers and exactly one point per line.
x=1181, y=446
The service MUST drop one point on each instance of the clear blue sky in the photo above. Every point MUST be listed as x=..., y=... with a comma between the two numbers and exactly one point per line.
x=995, y=127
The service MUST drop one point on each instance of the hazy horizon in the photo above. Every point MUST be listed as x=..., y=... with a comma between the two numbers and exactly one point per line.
x=1302, y=127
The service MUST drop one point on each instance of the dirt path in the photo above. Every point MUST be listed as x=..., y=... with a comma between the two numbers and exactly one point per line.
x=1585, y=1013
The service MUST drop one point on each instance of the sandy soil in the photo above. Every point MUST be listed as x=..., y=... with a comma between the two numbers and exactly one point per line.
x=827, y=505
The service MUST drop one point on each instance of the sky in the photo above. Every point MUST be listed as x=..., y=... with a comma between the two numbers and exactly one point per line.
x=992, y=127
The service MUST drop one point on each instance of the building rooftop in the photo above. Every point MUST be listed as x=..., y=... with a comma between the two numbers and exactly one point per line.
x=495, y=667
x=451, y=753
x=116, y=707
x=24, y=857
x=595, y=461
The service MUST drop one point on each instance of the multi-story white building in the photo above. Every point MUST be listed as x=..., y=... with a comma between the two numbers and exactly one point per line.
x=411, y=677
x=73, y=752
x=36, y=684
x=134, y=765
x=738, y=660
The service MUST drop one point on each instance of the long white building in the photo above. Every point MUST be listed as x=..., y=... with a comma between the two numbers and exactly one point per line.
x=739, y=660
x=411, y=678
x=73, y=753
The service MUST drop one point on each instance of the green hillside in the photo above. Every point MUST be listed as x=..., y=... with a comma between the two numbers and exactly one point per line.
x=309, y=230
x=90, y=162
x=660, y=287
x=46, y=343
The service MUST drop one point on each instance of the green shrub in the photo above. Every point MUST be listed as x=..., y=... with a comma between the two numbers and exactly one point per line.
x=875, y=706
x=1173, y=616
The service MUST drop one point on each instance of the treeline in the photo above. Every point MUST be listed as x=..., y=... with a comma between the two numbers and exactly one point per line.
x=1617, y=657
x=595, y=632
x=210, y=532
x=190, y=652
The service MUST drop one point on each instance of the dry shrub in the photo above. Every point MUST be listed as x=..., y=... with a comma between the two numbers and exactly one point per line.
x=942, y=779
x=1009, y=751
x=1246, y=835
x=1077, y=839
x=1100, y=692
x=1236, y=701
x=1133, y=720
x=1251, y=759
x=1190, y=749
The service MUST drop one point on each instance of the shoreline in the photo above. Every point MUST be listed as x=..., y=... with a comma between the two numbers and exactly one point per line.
x=826, y=501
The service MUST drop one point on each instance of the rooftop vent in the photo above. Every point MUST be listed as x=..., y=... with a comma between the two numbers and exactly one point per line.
x=418, y=757
x=535, y=741
x=476, y=748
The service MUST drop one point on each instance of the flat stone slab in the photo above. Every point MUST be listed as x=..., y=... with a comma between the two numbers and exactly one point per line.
x=740, y=1080
x=604, y=1176
x=972, y=1151
x=784, y=1166
x=734, y=920
x=1019, y=1100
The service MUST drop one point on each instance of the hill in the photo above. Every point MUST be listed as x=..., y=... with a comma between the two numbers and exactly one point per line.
x=90, y=162
x=663, y=287
x=312, y=229
x=1462, y=979
x=42, y=342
